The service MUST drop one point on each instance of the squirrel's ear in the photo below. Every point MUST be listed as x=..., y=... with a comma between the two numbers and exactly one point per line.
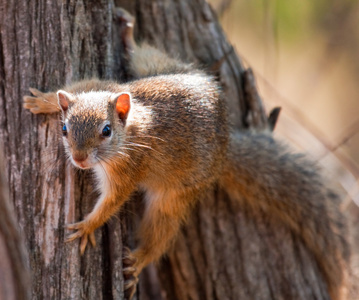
x=64, y=99
x=123, y=105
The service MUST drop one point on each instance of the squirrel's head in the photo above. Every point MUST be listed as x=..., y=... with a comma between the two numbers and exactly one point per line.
x=94, y=124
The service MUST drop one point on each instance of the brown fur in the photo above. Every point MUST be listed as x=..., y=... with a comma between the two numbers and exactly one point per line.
x=174, y=145
x=290, y=189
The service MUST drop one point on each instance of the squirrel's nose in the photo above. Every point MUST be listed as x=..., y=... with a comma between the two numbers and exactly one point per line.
x=79, y=157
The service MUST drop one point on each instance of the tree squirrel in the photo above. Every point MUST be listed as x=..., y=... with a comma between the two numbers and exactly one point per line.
x=167, y=134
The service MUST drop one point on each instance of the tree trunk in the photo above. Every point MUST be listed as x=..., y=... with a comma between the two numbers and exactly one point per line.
x=225, y=252
x=14, y=276
x=46, y=44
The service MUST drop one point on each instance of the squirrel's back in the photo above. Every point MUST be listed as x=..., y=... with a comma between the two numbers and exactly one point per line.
x=178, y=119
x=188, y=113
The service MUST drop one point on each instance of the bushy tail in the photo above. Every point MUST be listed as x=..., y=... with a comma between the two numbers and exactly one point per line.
x=288, y=186
x=149, y=61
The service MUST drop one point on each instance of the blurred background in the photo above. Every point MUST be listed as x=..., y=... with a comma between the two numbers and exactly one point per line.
x=305, y=56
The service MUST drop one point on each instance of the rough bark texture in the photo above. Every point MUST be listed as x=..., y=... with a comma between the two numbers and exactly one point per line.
x=14, y=275
x=225, y=252
x=46, y=44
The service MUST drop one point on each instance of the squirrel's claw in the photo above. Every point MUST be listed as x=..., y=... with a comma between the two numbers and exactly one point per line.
x=130, y=288
x=83, y=244
x=128, y=259
x=92, y=239
x=129, y=272
x=36, y=92
x=31, y=103
x=82, y=232
x=74, y=236
x=75, y=226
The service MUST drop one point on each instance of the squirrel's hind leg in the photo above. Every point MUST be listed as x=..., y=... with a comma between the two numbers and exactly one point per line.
x=45, y=103
x=164, y=213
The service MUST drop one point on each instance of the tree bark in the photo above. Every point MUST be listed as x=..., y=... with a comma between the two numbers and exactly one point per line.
x=46, y=44
x=225, y=252
x=14, y=275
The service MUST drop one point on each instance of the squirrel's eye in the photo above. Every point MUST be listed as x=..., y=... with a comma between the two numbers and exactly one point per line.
x=106, y=131
x=64, y=130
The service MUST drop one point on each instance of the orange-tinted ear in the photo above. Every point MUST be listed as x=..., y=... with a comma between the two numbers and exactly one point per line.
x=64, y=99
x=123, y=105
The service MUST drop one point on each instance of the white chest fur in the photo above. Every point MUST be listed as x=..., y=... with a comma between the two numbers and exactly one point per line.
x=102, y=180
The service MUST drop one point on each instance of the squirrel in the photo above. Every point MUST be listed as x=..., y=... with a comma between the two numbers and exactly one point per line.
x=167, y=134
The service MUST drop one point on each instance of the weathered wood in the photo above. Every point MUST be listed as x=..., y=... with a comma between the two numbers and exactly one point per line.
x=46, y=44
x=14, y=273
x=225, y=252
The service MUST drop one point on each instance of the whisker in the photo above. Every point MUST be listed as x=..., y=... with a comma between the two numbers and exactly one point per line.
x=143, y=146
x=145, y=136
x=126, y=148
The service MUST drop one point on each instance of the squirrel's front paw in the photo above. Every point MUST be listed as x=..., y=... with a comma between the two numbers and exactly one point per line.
x=129, y=273
x=41, y=102
x=83, y=231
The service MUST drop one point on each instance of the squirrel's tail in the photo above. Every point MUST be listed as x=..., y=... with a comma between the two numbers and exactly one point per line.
x=149, y=61
x=287, y=186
